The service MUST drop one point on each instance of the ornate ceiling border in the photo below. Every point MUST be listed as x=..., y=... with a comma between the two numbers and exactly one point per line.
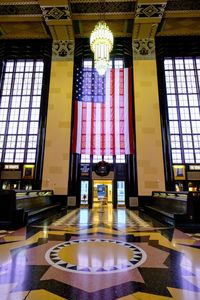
x=56, y=12
x=150, y=10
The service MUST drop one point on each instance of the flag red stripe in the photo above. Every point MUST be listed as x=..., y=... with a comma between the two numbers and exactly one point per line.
x=130, y=101
x=92, y=130
x=74, y=143
x=83, y=127
x=80, y=135
x=103, y=128
x=112, y=95
x=121, y=109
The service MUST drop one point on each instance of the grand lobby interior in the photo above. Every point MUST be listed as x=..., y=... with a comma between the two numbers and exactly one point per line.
x=99, y=174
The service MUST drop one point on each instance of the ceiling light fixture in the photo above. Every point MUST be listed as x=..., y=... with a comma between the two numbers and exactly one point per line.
x=101, y=44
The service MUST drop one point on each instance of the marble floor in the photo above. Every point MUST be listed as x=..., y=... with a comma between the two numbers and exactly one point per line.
x=99, y=254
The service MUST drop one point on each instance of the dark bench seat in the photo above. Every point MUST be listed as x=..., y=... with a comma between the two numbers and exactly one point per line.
x=19, y=208
x=170, y=207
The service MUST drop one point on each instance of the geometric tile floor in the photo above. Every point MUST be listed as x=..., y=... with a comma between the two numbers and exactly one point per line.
x=99, y=260
x=195, y=236
x=110, y=218
x=117, y=256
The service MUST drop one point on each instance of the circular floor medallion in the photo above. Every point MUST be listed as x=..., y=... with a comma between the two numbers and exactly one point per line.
x=95, y=256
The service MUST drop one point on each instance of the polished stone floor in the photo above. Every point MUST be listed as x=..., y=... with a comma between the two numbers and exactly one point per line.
x=99, y=254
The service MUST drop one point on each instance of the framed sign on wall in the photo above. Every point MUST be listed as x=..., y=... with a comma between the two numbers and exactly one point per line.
x=28, y=171
x=179, y=172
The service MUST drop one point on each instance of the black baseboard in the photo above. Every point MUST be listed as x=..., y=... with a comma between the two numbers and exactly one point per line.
x=144, y=200
x=62, y=199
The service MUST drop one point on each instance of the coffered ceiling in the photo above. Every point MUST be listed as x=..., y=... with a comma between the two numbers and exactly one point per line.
x=67, y=19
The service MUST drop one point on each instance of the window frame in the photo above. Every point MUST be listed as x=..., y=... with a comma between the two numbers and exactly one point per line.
x=182, y=83
x=22, y=117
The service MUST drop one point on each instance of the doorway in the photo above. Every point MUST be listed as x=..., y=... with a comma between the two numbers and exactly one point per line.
x=102, y=188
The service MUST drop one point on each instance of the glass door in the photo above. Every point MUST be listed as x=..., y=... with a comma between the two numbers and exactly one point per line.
x=102, y=188
x=84, y=192
x=121, y=193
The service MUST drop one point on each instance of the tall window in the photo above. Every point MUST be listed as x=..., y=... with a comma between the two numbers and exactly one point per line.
x=182, y=76
x=20, y=97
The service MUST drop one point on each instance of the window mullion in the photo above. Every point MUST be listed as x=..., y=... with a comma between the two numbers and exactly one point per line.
x=190, y=117
x=186, y=85
x=9, y=112
x=30, y=111
x=197, y=81
x=6, y=121
x=178, y=110
x=18, y=122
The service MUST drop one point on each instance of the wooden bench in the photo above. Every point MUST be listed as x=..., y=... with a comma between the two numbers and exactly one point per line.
x=174, y=207
x=19, y=208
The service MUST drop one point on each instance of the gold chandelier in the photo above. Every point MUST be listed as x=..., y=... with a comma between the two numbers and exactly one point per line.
x=101, y=43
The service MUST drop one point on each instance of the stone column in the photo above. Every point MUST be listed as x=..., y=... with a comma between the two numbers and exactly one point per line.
x=58, y=132
x=149, y=151
x=150, y=168
x=57, y=16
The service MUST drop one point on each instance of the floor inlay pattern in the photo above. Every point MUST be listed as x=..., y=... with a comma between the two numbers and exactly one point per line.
x=195, y=236
x=99, y=262
x=119, y=218
x=96, y=256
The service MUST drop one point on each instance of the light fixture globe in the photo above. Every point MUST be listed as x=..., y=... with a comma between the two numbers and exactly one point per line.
x=101, y=43
x=101, y=66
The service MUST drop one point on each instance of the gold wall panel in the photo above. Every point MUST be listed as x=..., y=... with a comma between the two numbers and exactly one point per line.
x=148, y=129
x=57, y=145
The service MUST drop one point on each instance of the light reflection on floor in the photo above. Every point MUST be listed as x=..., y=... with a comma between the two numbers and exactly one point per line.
x=85, y=259
x=107, y=216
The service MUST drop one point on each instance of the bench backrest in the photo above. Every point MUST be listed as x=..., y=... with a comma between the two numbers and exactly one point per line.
x=7, y=204
x=34, y=202
x=174, y=202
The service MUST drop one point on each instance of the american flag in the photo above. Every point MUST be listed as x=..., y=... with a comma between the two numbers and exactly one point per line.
x=103, y=119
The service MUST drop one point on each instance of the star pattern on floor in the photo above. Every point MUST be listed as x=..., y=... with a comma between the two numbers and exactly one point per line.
x=65, y=284
x=53, y=257
x=171, y=269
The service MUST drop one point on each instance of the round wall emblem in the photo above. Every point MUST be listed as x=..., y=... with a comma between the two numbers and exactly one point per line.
x=102, y=168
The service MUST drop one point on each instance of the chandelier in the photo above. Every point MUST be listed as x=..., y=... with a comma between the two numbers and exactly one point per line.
x=101, y=43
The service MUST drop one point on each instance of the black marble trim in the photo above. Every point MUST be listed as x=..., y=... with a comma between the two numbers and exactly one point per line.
x=102, y=7
x=144, y=200
x=29, y=9
x=177, y=46
x=183, y=5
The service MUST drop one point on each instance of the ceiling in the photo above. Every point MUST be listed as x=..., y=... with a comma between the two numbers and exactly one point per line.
x=69, y=19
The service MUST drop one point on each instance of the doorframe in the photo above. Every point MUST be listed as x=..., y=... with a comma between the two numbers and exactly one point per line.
x=111, y=181
x=94, y=176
